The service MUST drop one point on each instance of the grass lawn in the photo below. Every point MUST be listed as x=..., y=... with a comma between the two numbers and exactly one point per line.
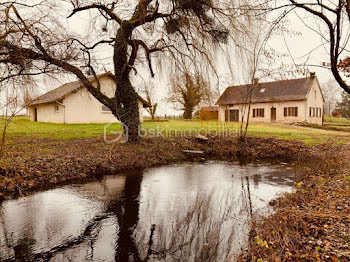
x=336, y=121
x=21, y=126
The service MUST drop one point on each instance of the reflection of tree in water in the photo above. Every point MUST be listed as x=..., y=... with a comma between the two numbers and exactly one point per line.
x=207, y=227
x=22, y=249
x=126, y=208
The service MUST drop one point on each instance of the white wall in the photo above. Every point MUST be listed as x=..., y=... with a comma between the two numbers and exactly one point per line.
x=80, y=107
x=280, y=118
x=47, y=113
x=315, y=100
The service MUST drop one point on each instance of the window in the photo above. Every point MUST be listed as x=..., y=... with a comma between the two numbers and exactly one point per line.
x=105, y=109
x=312, y=112
x=290, y=111
x=258, y=112
x=234, y=115
x=318, y=112
x=57, y=108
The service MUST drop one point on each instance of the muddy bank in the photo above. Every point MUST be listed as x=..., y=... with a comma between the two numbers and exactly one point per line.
x=33, y=163
x=312, y=223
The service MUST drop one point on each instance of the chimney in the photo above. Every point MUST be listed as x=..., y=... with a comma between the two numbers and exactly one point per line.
x=312, y=74
x=255, y=81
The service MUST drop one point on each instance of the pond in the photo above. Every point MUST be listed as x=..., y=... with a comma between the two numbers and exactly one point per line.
x=182, y=212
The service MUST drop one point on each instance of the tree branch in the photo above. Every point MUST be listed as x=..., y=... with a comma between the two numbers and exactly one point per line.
x=30, y=54
x=109, y=11
x=147, y=52
x=334, y=35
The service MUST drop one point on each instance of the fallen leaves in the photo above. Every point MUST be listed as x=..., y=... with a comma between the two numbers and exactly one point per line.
x=312, y=224
x=309, y=225
x=39, y=163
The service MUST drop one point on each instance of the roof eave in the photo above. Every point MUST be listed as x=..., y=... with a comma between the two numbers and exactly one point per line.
x=257, y=102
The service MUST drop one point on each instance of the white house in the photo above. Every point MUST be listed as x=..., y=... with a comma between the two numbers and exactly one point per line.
x=285, y=101
x=72, y=103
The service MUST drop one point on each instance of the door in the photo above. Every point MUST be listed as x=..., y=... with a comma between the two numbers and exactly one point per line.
x=35, y=114
x=273, y=114
x=234, y=115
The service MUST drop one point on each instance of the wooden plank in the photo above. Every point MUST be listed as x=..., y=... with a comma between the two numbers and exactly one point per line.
x=193, y=152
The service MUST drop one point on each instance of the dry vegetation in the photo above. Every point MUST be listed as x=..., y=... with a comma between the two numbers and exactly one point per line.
x=33, y=163
x=310, y=224
x=313, y=222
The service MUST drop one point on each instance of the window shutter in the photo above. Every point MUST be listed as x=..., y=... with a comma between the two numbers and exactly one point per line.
x=254, y=112
x=296, y=111
x=263, y=112
x=285, y=111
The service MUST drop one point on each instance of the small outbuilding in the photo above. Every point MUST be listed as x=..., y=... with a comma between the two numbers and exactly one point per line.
x=209, y=113
x=72, y=103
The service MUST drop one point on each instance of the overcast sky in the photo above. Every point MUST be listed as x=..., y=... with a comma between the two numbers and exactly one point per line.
x=297, y=45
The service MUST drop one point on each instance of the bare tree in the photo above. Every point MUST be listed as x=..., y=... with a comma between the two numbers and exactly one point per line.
x=34, y=41
x=335, y=18
x=148, y=90
x=258, y=62
x=331, y=93
x=188, y=92
x=14, y=97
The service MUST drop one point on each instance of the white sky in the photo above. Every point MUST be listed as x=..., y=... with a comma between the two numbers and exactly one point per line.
x=298, y=45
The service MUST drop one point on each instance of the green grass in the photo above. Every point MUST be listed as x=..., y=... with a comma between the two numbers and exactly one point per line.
x=338, y=123
x=336, y=120
x=21, y=126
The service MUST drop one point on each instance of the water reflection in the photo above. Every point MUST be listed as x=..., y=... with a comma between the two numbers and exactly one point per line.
x=185, y=212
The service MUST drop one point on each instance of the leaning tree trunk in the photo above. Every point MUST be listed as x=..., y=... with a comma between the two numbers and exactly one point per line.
x=126, y=98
